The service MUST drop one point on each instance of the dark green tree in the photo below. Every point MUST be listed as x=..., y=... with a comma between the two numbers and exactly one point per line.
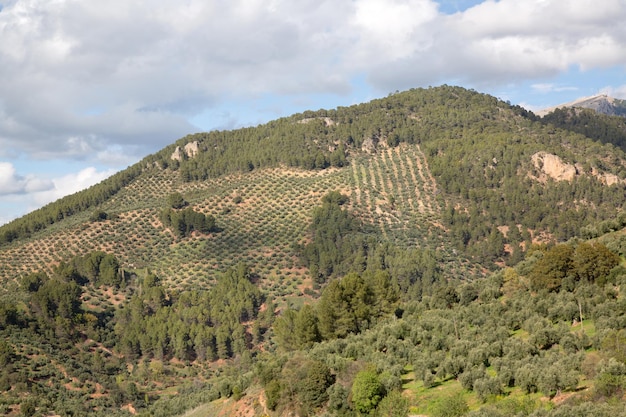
x=312, y=390
x=592, y=262
x=32, y=282
x=550, y=270
x=176, y=201
x=305, y=327
x=285, y=329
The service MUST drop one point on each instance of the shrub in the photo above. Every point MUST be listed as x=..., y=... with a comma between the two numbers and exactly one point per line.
x=393, y=405
x=272, y=394
x=367, y=391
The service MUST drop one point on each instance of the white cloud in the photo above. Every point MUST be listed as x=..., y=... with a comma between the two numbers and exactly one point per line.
x=69, y=184
x=391, y=29
x=12, y=183
x=546, y=88
x=21, y=194
x=80, y=79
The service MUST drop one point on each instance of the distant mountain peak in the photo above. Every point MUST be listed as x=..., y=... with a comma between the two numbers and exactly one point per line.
x=601, y=103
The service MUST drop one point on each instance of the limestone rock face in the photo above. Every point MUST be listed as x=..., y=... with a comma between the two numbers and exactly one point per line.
x=552, y=166
x=610, y=179
x=189, y=150
x=177, y=155
x=369, y=145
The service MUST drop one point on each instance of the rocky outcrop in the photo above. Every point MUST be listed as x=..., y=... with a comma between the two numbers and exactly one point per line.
x=189, y=150
x=610, y=179
x=549, y=166
x=327, y=120
x=552, y=166
x=192, y=148
x=369, y=145
x=606, y=178
x=177, y=155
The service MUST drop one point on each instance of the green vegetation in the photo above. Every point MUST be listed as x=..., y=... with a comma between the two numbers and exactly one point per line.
x=192, y=325
x=367, y=391
x=407, y=255
x=603, y=128
x=186, y=221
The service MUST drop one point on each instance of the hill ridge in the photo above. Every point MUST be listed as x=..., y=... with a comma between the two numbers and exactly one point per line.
x=601, y=103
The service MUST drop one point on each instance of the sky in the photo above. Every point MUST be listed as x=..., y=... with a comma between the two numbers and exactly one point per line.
x=88, y=88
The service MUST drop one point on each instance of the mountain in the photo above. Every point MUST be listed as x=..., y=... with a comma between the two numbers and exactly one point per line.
x=290, y=266
x=600, y=103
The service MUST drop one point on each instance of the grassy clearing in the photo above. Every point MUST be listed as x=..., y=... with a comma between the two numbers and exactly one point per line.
x=425, y=399
x=588, y=327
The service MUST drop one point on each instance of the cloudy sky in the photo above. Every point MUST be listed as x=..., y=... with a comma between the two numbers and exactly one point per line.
x=88, y=88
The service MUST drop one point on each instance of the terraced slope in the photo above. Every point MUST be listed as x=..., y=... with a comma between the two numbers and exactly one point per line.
x=261, y=216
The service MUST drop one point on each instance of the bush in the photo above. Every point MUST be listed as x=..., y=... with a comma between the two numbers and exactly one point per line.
x=484, y=387
x=27, y=407
x=272, y=394
x=611, y=380
x=338, y=398
x=367, y=391
x=393, y=405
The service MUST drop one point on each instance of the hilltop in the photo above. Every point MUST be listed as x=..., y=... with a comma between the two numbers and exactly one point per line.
x=236, y=264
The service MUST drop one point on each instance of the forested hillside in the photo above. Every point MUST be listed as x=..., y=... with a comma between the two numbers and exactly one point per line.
x=602, y=128
x=438, y=252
